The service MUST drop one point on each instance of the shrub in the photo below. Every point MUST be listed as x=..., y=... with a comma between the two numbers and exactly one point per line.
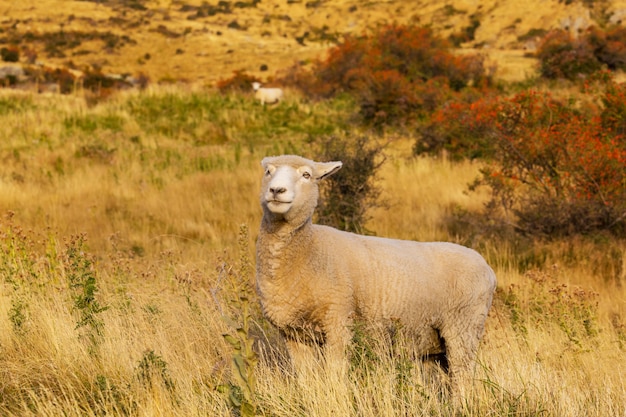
x=389, y=71
x=562, y=56
x=10, y=54
x=609, y=46
x=299, y=77
x=152, y=369
x=466, y=34
x=242, y=314
x=556, y=169
x=239, y=82
x=455, y=128
x=64, y=78
x=613, y=115
x=346, y=197
x=386, y=97
x=336, y=73
x=102, y=85
x=82, y=281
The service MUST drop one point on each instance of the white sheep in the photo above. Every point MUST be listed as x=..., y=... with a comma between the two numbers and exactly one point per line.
x=267, y=95
x=314, y=281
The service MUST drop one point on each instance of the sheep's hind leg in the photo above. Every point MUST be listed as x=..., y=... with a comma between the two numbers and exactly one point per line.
x=461, y=355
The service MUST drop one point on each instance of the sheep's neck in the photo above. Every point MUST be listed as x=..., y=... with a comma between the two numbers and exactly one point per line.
x=278, y=241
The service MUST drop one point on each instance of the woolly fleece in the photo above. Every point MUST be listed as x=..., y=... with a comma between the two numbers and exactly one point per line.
x=267, y=95
x=314, y=281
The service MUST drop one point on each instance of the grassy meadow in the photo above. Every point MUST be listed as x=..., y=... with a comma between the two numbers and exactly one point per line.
x=127, y=235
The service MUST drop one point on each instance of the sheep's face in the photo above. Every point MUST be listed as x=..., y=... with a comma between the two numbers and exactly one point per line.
x=290, y=185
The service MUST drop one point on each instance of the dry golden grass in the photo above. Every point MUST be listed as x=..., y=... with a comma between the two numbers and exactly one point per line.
x=161, y=240
x=421, y=212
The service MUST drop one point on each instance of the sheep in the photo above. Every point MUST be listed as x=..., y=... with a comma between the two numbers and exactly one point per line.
x=315, y=281
x=267, y=95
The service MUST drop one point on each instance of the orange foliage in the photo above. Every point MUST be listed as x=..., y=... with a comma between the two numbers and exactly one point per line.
x=391, y=73
x=560, y=170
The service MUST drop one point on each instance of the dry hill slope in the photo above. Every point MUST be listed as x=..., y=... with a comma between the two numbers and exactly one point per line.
x=203, y=41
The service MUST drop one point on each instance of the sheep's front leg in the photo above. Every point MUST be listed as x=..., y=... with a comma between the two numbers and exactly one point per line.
x=338, y=337
x=303, y=355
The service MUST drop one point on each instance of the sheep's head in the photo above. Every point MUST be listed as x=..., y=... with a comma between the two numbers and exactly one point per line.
x=256, y=86
x=290, y=189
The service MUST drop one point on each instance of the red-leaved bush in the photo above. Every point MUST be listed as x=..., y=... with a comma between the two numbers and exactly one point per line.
x=558, y=170
x=613, y=115
x=398, y=74
x=460, y=128
x=562, y=55
x=239, y=82
x=609, y=46
x=386, y=97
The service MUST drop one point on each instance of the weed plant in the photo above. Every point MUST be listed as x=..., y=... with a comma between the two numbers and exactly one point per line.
x=241, y=390
x=82, y=282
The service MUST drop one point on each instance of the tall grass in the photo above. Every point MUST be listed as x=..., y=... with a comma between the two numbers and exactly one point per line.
x=118, y=223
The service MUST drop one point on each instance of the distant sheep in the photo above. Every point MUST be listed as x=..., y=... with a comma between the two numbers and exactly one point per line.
x=267, y=95
x=314, y=281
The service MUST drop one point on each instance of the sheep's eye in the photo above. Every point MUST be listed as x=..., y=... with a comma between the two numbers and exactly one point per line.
x=306, y=175
x=267, y=172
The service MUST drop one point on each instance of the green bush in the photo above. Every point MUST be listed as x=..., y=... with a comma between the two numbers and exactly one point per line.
x=347, y=196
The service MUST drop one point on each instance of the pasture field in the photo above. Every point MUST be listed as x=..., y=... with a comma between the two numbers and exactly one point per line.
x=127, y=235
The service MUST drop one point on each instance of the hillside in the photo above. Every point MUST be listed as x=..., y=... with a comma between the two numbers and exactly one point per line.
x=201, y=42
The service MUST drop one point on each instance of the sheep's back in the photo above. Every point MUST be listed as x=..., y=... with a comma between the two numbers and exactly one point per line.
x=269, y=95
x=415, y=282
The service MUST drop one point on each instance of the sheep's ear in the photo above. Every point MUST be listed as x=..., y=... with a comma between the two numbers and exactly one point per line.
x=266, y=161
x=324, y=169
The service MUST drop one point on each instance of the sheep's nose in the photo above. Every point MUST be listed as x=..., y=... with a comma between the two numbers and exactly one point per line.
x=277, y=190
